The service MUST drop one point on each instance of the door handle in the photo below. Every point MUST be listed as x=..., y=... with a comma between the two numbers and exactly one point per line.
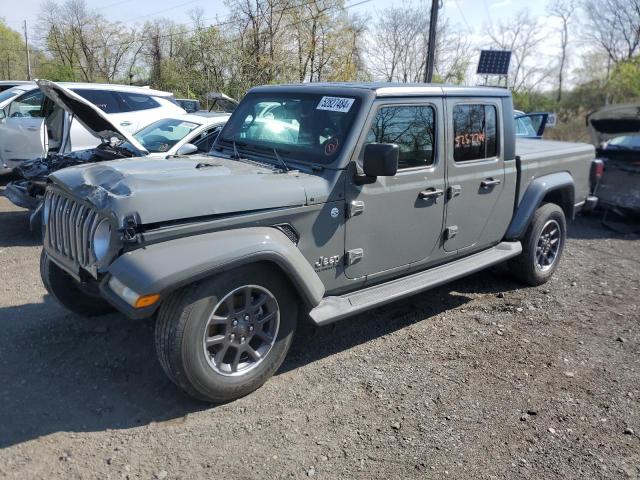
x=489, y=182
x=33, y=129
x=125, y=123
x=431, y=193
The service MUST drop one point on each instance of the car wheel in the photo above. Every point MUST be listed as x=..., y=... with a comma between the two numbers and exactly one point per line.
x=65, y=289
x=542, y=246
x=222, y=338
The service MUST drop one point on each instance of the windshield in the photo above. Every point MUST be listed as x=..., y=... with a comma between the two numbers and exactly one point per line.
x=630, y=142
x=7, y=94
x=310, y=127
x=160, y=136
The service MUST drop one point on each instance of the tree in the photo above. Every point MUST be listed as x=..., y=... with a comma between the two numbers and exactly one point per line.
x=564, y=10
x=613, y=26
x=522, y=37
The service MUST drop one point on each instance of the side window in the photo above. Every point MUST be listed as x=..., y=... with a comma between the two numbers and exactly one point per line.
x=104, y=100
x=133, y=102
x=475, y=132
x=412, y=128
x=29, y=105
x=205, y=140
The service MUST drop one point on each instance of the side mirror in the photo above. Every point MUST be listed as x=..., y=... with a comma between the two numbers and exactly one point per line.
x=3, y=114
x=187, y=149
x=380, y=159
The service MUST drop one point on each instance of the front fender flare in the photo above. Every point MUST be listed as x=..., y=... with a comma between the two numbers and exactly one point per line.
x=532, y=199
x=164, y=267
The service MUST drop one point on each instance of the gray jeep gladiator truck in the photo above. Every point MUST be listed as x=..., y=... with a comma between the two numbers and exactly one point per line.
x=317, y=202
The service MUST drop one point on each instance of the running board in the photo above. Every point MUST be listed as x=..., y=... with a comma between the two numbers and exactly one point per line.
x=331, y=309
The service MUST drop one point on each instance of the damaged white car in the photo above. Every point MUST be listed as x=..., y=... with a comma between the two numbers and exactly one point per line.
x=178, y=135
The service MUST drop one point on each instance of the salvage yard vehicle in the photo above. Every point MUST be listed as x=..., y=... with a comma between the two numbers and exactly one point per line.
x=181, y=134
x=615, y=130
x=318, y=202
x=31, y=126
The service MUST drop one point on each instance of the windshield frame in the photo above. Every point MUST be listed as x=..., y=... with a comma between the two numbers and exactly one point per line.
x=293, y=154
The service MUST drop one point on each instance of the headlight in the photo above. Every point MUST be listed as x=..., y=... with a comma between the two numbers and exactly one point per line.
x=102, y=240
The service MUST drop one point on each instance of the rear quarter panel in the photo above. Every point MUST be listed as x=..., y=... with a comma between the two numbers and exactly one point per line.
x=544, y=157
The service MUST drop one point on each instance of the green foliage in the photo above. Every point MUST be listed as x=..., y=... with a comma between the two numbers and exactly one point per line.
x=13, y=65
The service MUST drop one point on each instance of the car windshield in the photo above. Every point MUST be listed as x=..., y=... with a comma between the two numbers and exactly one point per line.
x=309, y=127
x=160, y=136
x=626, y=142
x=7, y=94
x=524, y=127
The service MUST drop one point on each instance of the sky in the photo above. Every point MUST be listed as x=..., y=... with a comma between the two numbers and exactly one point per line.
x=469, y=15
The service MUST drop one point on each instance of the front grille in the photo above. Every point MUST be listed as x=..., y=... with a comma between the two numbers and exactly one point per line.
x=70, y=228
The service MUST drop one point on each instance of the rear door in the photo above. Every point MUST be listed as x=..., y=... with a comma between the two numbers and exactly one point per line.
x=22, y=133
x=475, y=174
x=396, y=221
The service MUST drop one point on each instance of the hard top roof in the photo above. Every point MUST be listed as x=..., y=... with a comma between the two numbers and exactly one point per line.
x=389, y=89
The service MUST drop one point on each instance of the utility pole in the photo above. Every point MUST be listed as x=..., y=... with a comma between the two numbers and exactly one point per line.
x=26, y=43
x=431, y=46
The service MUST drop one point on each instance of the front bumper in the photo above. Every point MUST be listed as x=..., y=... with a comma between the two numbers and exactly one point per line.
x=18, y=193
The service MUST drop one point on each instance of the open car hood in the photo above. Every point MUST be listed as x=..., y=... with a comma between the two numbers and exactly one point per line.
x=614, y=121
x=90, y=117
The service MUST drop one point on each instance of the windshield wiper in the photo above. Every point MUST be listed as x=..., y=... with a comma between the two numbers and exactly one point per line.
x=281, y=160
x=236, y=155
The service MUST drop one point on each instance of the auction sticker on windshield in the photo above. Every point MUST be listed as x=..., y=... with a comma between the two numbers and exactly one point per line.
x=335, y=104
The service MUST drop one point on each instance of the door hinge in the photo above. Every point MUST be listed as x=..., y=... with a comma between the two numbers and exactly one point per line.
x=356, y=207
x=354, y=256
x=450, y=232
x=453, y=191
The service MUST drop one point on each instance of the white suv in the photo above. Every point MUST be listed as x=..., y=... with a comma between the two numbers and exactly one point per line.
x=31, y=125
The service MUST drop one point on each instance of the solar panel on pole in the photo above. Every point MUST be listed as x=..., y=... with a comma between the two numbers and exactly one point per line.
x=494, y=62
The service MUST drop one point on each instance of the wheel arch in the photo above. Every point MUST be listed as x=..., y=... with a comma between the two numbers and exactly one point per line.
x=558, y=188
x=165, y=267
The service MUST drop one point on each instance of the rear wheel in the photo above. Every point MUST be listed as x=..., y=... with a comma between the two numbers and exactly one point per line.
x=66, y=290
x=224, y=337
x=542, y=246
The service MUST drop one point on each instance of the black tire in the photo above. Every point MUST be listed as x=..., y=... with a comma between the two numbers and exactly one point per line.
x=65, y=289
x=525, y=267
x=183, y=322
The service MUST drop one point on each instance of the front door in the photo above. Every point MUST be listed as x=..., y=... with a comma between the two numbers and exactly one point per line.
x=475, y=175
x=22, y=133
x=396, y=221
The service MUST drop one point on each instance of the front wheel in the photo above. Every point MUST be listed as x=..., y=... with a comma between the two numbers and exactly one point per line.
x=222, y=338
x=542, y=246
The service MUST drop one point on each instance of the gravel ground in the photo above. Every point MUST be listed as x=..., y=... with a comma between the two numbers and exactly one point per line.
x=478, y=379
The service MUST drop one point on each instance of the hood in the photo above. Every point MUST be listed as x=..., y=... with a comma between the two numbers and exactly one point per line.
x=187, y=187
x=90, y=117
x=614, y=121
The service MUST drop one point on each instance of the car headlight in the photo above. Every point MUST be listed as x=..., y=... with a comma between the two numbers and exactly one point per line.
x=102, y=240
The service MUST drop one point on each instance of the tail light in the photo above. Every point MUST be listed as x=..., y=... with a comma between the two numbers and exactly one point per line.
x=598, y=168
x=597, y=171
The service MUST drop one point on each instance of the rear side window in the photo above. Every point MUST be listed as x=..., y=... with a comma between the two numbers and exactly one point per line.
x=475, y=132
x=205, y=140
x=133, y=102
x=103, y=99
x=412, y=128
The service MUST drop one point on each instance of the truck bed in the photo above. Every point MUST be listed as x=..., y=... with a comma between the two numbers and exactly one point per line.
x=542, y=157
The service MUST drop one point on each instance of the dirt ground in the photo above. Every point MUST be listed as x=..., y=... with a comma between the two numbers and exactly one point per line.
x=479, y=379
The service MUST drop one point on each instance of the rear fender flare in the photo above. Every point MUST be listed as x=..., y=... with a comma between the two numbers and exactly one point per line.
x=164, y=267
x=533, y=196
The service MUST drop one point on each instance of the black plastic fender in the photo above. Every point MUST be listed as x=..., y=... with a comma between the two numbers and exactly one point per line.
x=533, y=196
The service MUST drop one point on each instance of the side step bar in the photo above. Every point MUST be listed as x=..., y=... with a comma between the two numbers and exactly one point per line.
x=331, y=309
